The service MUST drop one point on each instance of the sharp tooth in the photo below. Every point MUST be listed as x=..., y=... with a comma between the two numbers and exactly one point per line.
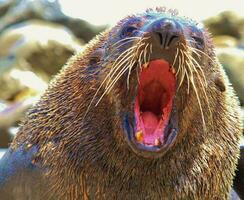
x=173, y=70
x=139, y=136
x=157, y=142
x=146, y=65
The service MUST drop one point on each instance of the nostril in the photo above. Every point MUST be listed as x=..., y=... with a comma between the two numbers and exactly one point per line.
x=160, y=38
x=166, y=39
x=166, y=32
x=172, y=40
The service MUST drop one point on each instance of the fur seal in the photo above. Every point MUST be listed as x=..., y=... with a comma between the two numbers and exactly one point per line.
x=238, y=184
x=144, y=112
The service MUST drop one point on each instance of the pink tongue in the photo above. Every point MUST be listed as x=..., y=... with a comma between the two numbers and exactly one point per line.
x=150, y=122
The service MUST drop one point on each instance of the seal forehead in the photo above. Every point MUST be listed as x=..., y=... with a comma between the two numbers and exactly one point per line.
x=143, y=21
x=155, y=15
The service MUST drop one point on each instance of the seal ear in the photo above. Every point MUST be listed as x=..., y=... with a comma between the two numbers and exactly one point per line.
x=96, y=56
x=219, y=82
x=239, y=178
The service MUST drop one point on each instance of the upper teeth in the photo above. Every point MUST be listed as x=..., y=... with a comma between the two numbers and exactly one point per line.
x=139, y=136
x=146, y=65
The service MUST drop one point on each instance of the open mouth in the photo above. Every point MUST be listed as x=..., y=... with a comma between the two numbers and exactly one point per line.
x=155, y=126
x=154, y=102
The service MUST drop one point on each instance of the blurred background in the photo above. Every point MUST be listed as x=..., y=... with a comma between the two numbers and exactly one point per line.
x=37, y=37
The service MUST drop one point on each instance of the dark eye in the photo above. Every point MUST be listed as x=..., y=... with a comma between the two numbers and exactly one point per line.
x=128, y=31
x=198, y=42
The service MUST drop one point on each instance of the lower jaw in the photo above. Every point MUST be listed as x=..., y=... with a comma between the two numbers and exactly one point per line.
x=150, y=151
x=155, y=122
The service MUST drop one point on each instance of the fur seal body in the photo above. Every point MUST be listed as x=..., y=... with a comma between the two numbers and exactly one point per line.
x=144, y=112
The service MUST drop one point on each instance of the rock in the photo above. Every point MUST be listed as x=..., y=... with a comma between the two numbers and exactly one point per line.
x=5, y=5
x=10, y=116
x=22, y=10
x=5, y=138
x=31, y=50
x=226, y=23
x=30, y=54
x=224, y=41
x=14, y=112
x=47, y=10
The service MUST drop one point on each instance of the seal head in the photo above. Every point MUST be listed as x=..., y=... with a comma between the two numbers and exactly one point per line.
x=150, y=53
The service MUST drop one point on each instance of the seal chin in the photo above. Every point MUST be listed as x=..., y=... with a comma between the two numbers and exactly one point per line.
x=155, y=124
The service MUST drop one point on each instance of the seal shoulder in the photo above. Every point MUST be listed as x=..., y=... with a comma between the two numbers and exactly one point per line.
x=19, y=177
x=239, y=179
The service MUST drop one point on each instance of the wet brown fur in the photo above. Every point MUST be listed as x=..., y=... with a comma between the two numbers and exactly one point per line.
x=89, y=158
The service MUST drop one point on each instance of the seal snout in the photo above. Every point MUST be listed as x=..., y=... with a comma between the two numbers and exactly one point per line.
x=162, y=51
x=165, y=33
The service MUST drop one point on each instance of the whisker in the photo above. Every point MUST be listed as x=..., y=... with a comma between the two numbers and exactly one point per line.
x=117, y=62
x=124, y=39
x=151, y=49
x=132, y=64
x=140, y=59
x=199, y=102
x=110, y=86
x=188, y=79
x=203, y=86
x=200, y=68
x=145, y=53
x=193, y=41
x=133, y=40
x=193, y=61
x=108, y=89
x=118, y=67
x=182, y=72
x=203, y=89
x=128, y=77
x=137, y=75
x=120, y=45
x=101, y=85
x=192, y=65
x=194, y=50
x=128, y=67
x=177, y=51
x=196, y=63
x=149, y=55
